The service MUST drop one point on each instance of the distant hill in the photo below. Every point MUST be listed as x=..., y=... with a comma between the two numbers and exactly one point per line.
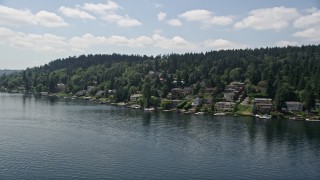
x=7, y=71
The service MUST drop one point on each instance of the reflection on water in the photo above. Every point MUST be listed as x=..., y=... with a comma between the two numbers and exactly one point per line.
x=47, y=137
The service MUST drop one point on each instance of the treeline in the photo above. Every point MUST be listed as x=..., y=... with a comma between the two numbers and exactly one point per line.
x=8, y=72
x=283, y=74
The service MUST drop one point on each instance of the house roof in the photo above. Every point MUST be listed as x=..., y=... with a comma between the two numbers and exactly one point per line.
x=293, y=103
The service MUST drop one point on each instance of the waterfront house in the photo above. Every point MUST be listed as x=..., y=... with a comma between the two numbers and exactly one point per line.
x=89, y=88
x=197, y=102
x=187, y=91
x=135, y=97
x=112, y=91
x=224, y=106
x=176, y=93
x=100, y=94
x=262, y=105
x=210, y=90
x=228, y=96
x=294, y=106
x=236, y=86
x=81, y=93
x=174, y=103
x=60, y=87
x=233, y=91
x=208, y=100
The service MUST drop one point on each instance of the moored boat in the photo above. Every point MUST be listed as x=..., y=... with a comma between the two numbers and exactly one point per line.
x=316, y=120
x=149, y=109
x=265, y=116
x=219, y=114
x=199, y=113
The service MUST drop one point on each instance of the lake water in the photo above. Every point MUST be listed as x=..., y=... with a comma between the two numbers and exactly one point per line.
x=42, y=138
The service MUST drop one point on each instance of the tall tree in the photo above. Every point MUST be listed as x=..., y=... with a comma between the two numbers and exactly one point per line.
x=147, y=92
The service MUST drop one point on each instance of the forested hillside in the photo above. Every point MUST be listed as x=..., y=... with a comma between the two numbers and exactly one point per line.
x=283, y=74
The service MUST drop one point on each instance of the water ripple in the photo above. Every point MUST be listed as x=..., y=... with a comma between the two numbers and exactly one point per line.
x=40, y=139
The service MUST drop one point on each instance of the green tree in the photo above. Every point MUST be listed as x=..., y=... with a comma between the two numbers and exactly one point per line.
x=235, y=74
x=147, y=93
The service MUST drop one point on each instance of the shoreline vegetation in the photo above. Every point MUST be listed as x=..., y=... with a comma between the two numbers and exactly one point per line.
x=239, y=109
x=278, y=82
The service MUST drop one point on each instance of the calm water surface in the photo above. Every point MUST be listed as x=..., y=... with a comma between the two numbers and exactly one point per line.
x=43, y=138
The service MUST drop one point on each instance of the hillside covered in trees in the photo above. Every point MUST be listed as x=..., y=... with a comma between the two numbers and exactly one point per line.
x=282, y=74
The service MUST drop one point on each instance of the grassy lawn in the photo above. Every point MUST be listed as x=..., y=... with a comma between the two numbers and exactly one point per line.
x=245, y=110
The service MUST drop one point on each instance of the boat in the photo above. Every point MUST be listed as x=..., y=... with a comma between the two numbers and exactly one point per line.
x=316, y=120
x=219, y=114
x=199, y=113
x=256, y=115
x=296, y=118
x=266, y=116
x=149, y=109
x=135, y=106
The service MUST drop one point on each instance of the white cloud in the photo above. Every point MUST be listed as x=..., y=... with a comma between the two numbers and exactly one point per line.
x=269, y=18
x=176, y=42
x=218, y=44
x=312, y=34
x=205, y=17
x=143, y=40
x=309, y=20
x=75, y=13
x=49, y=19
x=310, y=24
x=174, y=22
x=11, y=16
x=88, y=40
x=48, y=43
x=162, y=16
x=101, y=8
x=124, y=21
x=108, y=13
x=196, y=15
x=287, y=43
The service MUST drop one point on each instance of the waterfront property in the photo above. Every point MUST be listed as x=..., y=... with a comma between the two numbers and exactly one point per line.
x=294, y=106
x=197, y=102
x=262, y=105
x=134, y=98
x=225, y=106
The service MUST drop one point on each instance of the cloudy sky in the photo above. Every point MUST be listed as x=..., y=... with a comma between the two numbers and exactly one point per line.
x=34, y=32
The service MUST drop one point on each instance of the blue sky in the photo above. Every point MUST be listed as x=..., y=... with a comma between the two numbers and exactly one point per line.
x=34, y=32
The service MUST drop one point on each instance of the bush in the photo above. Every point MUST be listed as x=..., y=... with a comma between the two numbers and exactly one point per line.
x=165, y=104
x=187, y=106
x=181, y=104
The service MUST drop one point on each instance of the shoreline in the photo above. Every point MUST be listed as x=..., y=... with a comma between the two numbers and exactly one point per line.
x=273, y=115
